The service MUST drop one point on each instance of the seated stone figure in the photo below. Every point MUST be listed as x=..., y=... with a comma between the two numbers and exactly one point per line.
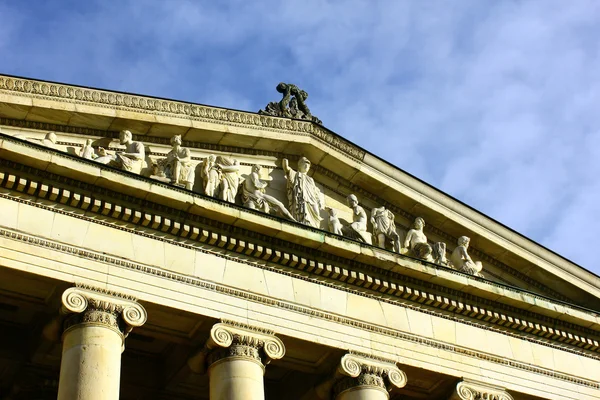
x=461, y=260
x=384, y=227
x=178, y=166
x=416, y=241
x=254, y=196
x=130, y=160
x=357, y=230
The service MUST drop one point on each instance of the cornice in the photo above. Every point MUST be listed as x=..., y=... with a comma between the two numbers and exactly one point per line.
x=198, y=229
x=145, y=104
x=315, y=313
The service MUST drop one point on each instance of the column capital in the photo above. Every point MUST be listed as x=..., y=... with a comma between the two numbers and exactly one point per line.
x=93, y=306
x=473, y=390
x=229, y=339
x=361, y=370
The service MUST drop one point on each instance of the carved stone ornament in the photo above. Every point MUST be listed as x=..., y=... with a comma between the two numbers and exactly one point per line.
x=87, y=305
x=471, y=390
x=357, y=371
x=231, y=340
x=292, y=105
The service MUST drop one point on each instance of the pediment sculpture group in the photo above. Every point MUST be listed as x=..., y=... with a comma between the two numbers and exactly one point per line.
x=221, y=179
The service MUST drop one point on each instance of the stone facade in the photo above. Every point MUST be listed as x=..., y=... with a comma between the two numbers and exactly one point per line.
x=165, y=250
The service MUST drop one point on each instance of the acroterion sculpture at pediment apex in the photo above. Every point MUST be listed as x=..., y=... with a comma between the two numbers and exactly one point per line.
x=280, y=164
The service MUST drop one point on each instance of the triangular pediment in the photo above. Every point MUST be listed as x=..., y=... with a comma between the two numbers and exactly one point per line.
x=30, y=109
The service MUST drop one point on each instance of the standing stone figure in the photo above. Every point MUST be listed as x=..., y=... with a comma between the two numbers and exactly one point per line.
x=357, y=230
x=87, y=151
x=254, y=196
x=230, y=178
x=384, y=227
x=305, y=198
x=439, y=253
x=210, y=175
x=333, y=222
x=416, y=241
x=130, y=160
x=461, y=260
x=178, y=166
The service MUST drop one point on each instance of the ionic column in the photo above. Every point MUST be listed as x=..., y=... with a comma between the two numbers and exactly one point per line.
x=472, y=390
x=236, y=356
x=93, y=339
x=365, y=378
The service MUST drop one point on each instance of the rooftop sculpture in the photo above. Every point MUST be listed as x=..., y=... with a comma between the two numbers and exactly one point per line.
x=292, y=105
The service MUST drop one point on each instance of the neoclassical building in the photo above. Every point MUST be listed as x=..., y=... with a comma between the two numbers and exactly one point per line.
x=157, y=249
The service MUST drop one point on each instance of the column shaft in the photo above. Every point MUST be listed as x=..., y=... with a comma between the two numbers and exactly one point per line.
x=236, y=379
x=91, y=364
x=363, y=393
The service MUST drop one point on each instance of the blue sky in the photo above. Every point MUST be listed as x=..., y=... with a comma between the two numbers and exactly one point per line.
x=495, y=102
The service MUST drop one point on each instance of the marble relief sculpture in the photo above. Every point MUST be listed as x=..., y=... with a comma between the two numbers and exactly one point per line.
x=358, y=228
x=461, y=260
x=384, y=228
x=178, y=166
x=210, y=175
x=333, y=222
x=254, y=196
x=305, y=198
x=229, y=173
x=130, y=160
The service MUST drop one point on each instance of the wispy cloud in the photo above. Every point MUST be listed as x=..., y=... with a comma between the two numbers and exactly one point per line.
x=495, y=103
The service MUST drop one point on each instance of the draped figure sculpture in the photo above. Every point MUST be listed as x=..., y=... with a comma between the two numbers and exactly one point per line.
x=130, y=160
x=357, y=230
x=210, y=175
x=384, y=227
x=305, y=198
x=178, y=166
x=229, y=169
x=254, y=196
x=461, y=260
